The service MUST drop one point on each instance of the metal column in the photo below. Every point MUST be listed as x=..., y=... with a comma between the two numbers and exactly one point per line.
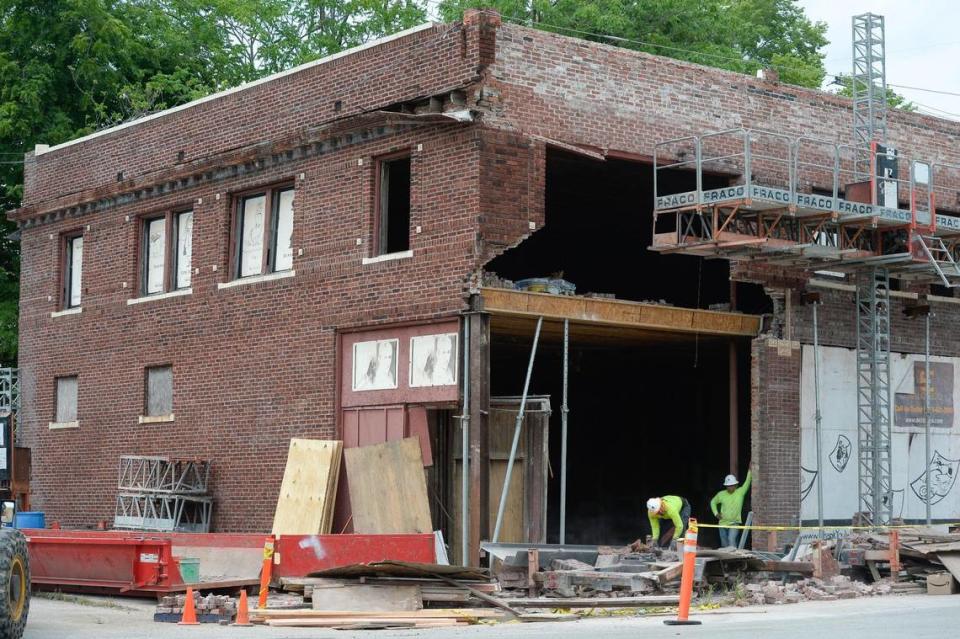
x=564, y=409
x=926, y=416
x=873, y=395
x=817, y=415
x=516, y=435
x=465, y=451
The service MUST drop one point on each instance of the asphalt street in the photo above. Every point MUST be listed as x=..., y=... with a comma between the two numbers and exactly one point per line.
x=913, y=617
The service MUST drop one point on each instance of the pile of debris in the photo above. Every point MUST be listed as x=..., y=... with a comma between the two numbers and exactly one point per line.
x=812, y=589
x=923, y=553
x=210, y=608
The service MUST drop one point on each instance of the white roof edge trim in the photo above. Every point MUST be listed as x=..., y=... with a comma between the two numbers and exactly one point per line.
x=241, y=87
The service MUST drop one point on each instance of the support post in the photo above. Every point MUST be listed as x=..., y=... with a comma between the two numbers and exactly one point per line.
x=817, y=416
x=465, y=449
x=734, y=415
x=479, y=345
x=926, y=416
x=564, y=409
x=516, y=434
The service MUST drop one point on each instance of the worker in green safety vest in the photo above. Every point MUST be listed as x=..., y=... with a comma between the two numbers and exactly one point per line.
x=672, y=507
x=727, y=507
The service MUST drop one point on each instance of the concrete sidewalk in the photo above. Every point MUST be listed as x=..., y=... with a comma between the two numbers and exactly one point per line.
x=915, y=616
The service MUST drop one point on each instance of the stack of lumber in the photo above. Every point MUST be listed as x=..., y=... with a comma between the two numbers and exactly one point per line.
x=432, y=590
x=354, y=620
x=922, y=551
x=309, y=488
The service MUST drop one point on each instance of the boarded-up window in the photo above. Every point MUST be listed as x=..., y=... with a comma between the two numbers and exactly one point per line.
x=184, y=249
x=263, y=232
x=66, y=400
x=73, y=271
x=166, y=253
x=159, y=391
x=155, y=247
x=251, y=235
x=284, y=231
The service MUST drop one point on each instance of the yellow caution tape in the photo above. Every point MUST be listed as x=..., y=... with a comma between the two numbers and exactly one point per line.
x=825, y=527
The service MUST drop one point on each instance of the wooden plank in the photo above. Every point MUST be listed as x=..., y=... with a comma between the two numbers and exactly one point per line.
x=802, y=567
x=952, y=562
x=306, y=501
x=367, y=598
x=618, y=313
x=388, y=488
x=670, y=573
x=596, y=602
x=431, y=613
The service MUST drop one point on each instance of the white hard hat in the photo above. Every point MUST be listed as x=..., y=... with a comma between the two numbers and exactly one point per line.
x=653, y=504
x=730, y=480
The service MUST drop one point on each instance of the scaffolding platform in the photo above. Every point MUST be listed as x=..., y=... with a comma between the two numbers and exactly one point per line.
x=806, y=203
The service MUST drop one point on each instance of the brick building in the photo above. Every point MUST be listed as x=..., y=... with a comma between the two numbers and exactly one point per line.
x=293, y=257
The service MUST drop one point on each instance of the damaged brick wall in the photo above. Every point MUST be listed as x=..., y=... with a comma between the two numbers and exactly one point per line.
x=775, y=437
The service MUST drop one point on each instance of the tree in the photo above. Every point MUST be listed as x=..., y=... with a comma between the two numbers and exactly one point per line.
x=739, y=35
x=70, y=67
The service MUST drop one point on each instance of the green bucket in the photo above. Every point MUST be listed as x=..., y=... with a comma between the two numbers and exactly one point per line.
x=189, y=570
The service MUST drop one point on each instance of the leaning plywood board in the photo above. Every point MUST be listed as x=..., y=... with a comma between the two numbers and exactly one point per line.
x=388, y=490
x=952, y=561
x=308, y=489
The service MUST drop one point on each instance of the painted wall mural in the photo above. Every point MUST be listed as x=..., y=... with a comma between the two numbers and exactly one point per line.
x=838, y=392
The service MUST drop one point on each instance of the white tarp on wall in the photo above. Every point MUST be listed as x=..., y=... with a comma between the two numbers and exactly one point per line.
x=838, y=401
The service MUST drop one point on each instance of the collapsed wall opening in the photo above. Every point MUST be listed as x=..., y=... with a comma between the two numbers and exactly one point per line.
x=649, y=416
x=599, y=225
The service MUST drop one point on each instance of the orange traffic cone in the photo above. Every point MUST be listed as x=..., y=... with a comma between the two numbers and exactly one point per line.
x=243, y=614
x=189, y=617
x=686, y=578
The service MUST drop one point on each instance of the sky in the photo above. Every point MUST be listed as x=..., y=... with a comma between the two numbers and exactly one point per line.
x=923, y=46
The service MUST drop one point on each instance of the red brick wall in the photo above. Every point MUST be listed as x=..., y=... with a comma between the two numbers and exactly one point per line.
x=775, y=435
x=428, y=62
x=253, y=365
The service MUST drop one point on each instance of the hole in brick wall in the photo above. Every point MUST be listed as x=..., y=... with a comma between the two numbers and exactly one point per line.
x=119, y=176
x=643, y=422
x=337, y=105
x=599, y=223
x=180, y=156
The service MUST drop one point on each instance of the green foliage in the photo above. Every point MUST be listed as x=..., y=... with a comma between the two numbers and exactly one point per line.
x=739, y=35
x=70, y=67
x=894, y=99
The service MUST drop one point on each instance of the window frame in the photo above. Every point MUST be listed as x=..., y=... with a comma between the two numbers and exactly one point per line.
x=171, y=229
x=66, y=269
x=379, y=239
x=146, y=391
x=56, y=399
x=271, y=210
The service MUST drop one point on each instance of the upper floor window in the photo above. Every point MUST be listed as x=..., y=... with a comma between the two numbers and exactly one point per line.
x=263, y=232
x=66, y=408
x=158, y=391
x=72, y=270
x=393, y=206
x=166, y=253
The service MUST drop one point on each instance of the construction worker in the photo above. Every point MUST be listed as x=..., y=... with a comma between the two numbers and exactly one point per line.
x=727, y=507
x=672, y=507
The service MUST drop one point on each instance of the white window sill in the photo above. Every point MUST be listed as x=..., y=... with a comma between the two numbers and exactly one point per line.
x=401, y=255
x=76, y=310
x=160, y=296
x=269, y=277
x=64, y=425
x=155, y=419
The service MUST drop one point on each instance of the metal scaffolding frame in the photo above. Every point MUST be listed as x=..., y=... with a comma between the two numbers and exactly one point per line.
x=163, y=475
x=873, y=396
x=868, y=84
x=9, y=390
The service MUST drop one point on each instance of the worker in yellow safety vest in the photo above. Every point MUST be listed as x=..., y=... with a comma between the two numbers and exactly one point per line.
x=727, y=507
x=672, y=507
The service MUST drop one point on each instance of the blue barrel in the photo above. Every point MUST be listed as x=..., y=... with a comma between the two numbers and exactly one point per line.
x=28, y=519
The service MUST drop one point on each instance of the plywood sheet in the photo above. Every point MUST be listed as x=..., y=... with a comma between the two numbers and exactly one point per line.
x=366, y=597
x=388, y=489
x=309, y=488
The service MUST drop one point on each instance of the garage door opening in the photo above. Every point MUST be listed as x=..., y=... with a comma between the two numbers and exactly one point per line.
x=649, y=416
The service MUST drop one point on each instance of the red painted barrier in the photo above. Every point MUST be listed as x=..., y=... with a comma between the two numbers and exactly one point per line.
x=146, y=563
